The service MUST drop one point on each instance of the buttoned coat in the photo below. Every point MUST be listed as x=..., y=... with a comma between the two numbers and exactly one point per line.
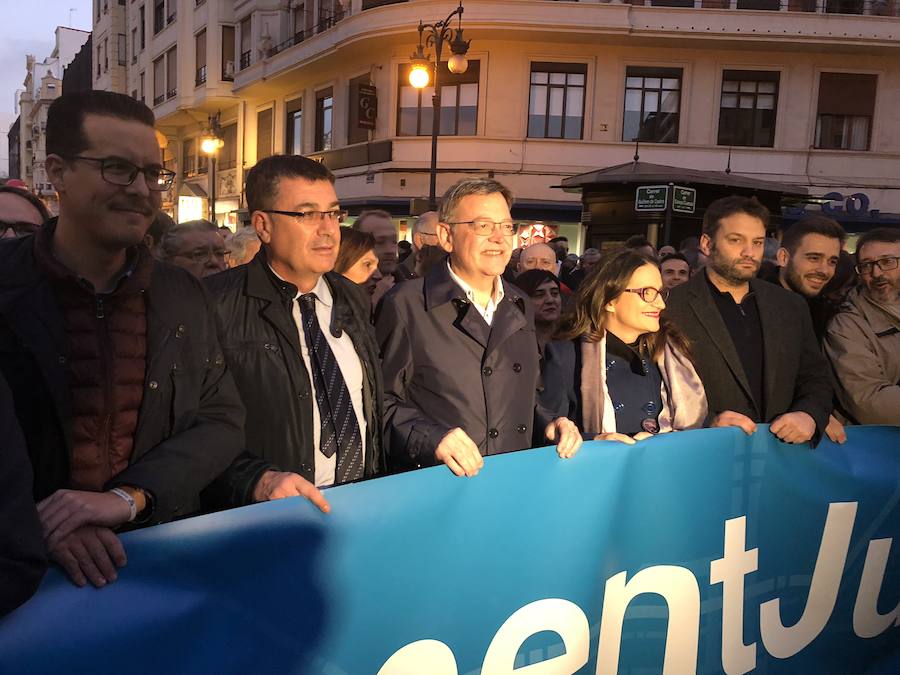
x=262, y=348
x=795, y=373
x=445, y=367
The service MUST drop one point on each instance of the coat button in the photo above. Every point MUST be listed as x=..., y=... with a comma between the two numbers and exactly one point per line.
x=521, y=428
x=517, y=367
x=303, y=395
x=493, y=433
x=153, y=385
x=487, y=371
x=179, y=332
x=62, y=360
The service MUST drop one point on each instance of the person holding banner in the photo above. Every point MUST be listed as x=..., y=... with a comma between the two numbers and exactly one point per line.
x=459, y=351
x=631, y=374
x=761, y=362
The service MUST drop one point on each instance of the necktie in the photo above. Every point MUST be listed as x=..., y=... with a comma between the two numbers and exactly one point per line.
x=339, y=428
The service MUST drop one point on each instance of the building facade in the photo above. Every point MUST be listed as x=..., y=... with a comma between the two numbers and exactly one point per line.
x=798, y=91
x=12, y=138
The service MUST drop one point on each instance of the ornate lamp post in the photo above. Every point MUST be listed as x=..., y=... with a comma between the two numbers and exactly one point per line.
x=210, y=145
x=436, y=34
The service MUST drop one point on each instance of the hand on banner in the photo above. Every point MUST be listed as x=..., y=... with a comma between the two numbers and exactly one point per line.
x=459, y=453
x=835, y=430
x=89, y=553
x=66, y=510
x=727, y=418
x=566, y=434
x=619, y=438
x=794, y=427
x=282, y=484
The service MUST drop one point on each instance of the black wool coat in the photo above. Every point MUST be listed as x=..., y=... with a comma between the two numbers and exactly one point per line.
x=795, y=373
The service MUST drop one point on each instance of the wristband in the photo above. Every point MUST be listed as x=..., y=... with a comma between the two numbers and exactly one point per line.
x=129, y=499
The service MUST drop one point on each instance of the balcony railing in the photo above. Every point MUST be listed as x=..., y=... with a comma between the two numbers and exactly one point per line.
x=171, y=93
x=159, y=99
x=866, y=7
x=326, y=21
x=245, y=60
x=201, y=75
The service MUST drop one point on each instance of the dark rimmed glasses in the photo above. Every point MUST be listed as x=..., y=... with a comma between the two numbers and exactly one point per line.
x=648, y=294
x=485, y=227
x=886, y=263
x=310, y=217
x=121, y=172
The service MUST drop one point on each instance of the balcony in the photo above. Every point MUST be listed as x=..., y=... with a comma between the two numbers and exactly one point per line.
x=327, y=20
x=201, y=76
x=171, y=93
x=159, y=99
x=245, y=60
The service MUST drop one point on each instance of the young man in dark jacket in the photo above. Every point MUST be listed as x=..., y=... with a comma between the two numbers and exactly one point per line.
x=298, y=339
x=112, y=358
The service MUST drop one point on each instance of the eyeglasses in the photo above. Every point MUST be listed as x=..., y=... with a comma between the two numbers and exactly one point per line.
x=310, y=217
x=202, y=255
x=485, y=227
x=121, y=172
x=20, y=228
x=884, y=264
x=648, y=294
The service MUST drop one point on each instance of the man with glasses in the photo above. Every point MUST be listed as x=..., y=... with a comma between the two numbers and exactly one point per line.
x=21, y=212
x=759, y=359
x=459, y=350
x=424, y=234
x=112, y=358
x=196, y=246
x=863, y=339
x=298, y=339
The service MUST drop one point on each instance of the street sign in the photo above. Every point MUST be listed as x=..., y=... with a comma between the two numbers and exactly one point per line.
x=684, y=200
x=651, y=198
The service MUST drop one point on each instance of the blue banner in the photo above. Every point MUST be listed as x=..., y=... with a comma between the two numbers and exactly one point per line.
x=705, y=551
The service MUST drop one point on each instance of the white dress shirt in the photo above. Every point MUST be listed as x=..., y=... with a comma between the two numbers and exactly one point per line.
x=486, y=312
x=350, y=367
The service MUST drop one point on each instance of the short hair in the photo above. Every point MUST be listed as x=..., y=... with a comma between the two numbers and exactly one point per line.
x=354, y=245
x=423, y=219
x=592, y=251
x=886, y=235
x=65, y=117
x=160, y=225
x=556, y=239
x=467, y=187
x=239, y=240
x=637, y=241
x=827, y=227
x=728, y=206
x=530, y=281
x=264, y=177
x=370, y=213
x=29, y=197
x=168, y=244
x=674, y=256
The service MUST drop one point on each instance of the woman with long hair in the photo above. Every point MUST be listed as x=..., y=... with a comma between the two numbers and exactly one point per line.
x=633, y=376
x=356, y=259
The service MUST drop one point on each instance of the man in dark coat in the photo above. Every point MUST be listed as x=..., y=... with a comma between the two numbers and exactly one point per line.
x=277, y=356
x=23, y=556
x=112, y=358
x=459, y=351
x=756, y=350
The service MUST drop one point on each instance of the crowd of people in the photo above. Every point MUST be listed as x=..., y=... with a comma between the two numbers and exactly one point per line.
x=151, y=371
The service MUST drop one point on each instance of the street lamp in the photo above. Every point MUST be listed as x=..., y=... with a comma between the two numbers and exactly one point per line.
x=421, y=69
x=210, y=145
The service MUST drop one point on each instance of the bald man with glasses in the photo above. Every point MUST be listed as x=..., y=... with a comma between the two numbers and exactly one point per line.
x=459, y=349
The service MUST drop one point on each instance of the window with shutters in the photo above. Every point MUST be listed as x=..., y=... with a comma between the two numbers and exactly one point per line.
x=652, y=104
x=293, y=125
x=228, y=153
x=324, y=120
x=556, y=100
x=200, y=57
x=459, y=104
x=748, y=107
x=171, y=72
x=228, y=53
x=263, y=134
x=159, y=80
x=845, y=110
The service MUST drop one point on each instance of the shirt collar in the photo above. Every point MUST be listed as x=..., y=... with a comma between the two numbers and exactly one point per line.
x=496, y=294
x=320, y=290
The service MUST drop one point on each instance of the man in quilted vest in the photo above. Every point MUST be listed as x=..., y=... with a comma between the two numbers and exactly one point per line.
x=112, y=357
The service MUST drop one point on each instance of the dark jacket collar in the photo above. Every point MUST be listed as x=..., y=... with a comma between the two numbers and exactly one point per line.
x=440, y=288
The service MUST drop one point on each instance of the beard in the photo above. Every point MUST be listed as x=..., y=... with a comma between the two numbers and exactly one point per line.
x=795, y=283
x=729, y=269
x=884, y=290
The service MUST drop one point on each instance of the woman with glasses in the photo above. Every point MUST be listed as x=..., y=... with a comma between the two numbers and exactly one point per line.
x=21, y=212
x=357, y=260
x=632, y=374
